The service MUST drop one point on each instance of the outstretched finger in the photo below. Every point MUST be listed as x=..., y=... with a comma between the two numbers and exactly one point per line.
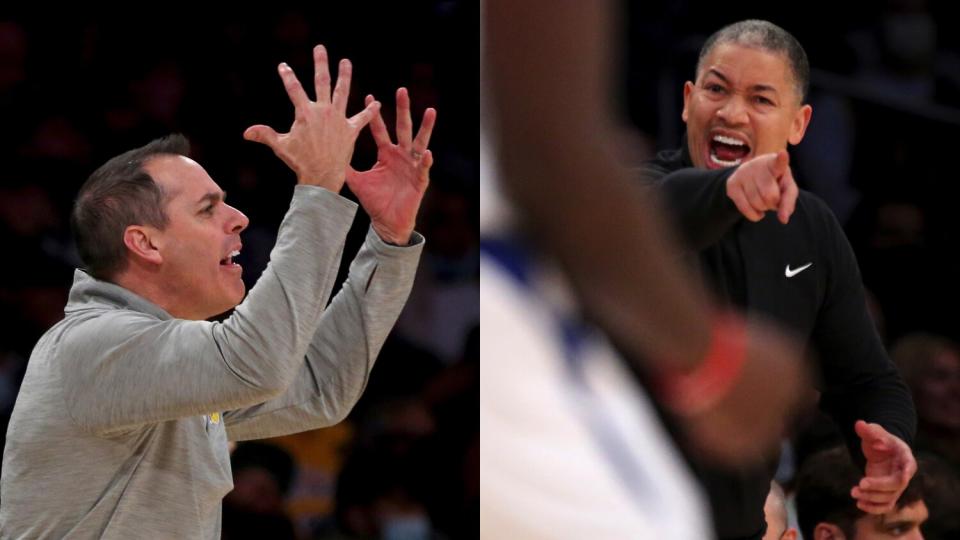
x=870, y=431
x=290, y=82
x=342, y=90
x=422, y=139
x=404, y=121
x=321, y=74
x=377, y=126
x=363, y=117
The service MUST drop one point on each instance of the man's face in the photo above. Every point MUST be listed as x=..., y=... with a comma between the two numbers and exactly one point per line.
x=902, y=523
x=938, y=396
x=196, y=268
x=743, y=104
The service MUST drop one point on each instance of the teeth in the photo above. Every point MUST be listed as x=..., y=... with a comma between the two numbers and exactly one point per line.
x=728, y=140
x=234, y=253
x=723, y=163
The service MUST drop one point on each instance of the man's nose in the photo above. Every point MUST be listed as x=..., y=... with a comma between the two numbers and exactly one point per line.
x=734, y=111
x=237, y=222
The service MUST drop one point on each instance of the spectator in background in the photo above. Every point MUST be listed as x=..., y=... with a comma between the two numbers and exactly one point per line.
x=262, y=474
x=892, y=235
x=444, y=304
x=826, y=509
x=930, y=365
x=380, y=494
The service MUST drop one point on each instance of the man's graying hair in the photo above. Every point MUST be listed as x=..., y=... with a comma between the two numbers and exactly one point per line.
x=119, y=194
x=769, y=37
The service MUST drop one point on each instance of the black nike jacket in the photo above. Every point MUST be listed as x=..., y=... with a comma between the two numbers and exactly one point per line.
x=804, y=276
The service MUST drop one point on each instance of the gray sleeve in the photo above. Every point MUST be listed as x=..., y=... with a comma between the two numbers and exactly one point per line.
x=148, y=370
x=352, y=331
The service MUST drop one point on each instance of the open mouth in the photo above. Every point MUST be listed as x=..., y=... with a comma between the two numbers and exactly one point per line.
x=228, y=260
x=727, y=151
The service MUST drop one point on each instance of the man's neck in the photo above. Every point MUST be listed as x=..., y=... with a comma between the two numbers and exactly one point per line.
x=150, y=289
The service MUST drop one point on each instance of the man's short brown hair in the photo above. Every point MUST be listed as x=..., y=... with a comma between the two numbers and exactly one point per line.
x=119, y=194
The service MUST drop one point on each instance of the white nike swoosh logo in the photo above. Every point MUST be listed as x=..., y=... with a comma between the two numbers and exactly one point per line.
x=790, y=273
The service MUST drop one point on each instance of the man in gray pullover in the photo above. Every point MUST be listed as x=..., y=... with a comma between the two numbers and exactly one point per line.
x=122, y=422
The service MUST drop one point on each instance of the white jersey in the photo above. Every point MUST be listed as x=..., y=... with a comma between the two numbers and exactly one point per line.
x=570, y=447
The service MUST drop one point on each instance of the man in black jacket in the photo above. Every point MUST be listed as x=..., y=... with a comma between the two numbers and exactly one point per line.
x=795, y=267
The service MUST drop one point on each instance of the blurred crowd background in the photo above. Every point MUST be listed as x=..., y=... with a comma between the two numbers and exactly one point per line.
x=80, y=86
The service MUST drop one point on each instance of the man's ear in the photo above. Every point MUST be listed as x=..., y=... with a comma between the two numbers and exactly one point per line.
x=687, y=90
x=801, y=120
x=827, y=531
x=141, y=242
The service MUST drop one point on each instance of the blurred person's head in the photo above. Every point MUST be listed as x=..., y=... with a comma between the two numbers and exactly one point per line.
x=381, y=495
x=400, y=515
x=898, y=224
x=402, y=424
x=27, y=211
x=748, y=96
x=14, y=46
x=826, y=509
x=153, y=221
x=775, y=512
x=908, y=37
x=160, y=93
x=930, y=365
x=262, y=475
x=450, y=216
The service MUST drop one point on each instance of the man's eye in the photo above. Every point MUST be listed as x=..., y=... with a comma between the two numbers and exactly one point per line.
x=762, y=100
x=899, y=530
x=208, y=210
x=715, y=88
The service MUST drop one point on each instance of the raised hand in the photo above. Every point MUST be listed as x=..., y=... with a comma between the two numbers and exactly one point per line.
x=320, y=142
x=764, y=183
x=890, y=466
x=391, y=191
